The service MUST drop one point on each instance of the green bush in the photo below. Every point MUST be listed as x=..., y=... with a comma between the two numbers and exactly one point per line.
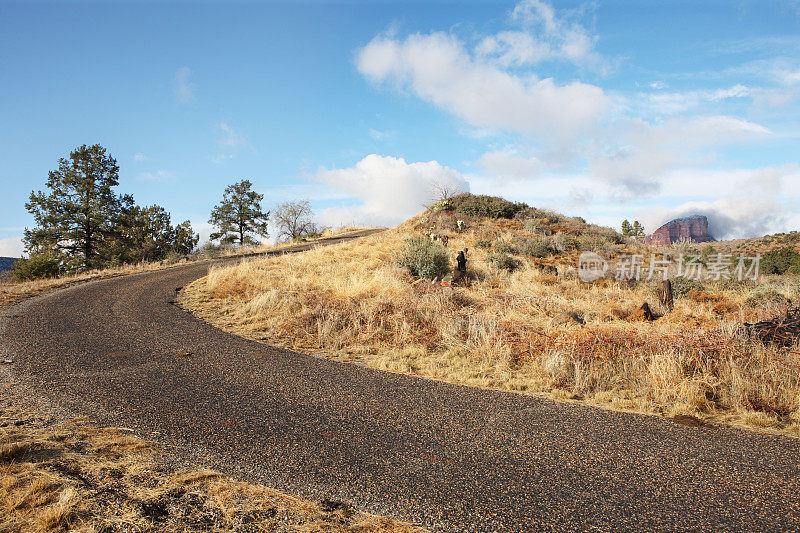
x=506, y=248
x=39, y=266
x=503, y=262
x=483, y=243
x=780, y=261
x=424, y=258
x=486, y=206
x=537, y=248
x=681, y=286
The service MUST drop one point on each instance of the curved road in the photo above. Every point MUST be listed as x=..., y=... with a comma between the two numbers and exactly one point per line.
x=448, y=457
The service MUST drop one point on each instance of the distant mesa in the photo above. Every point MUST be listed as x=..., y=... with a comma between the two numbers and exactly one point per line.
x=7, y=263
x=690, y=229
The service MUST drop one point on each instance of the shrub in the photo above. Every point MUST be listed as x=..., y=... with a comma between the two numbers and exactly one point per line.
x=486, y=206
x=534, y=226
x=609, y=234
x=780, y=261
x=503, y=262
x=537, y=248
x=211, y=250
x=708, y=252
x=766, y=296
x=564, y=243
x=39, y=266
x=593, y=243
x=681, y=286
x=506, y=248
x=483, y=243
x=424, y=258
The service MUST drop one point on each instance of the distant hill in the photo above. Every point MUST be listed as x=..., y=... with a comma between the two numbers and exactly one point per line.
x=760, y=244
x=6, y=263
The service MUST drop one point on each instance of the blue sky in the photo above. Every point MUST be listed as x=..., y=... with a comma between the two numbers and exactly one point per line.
x=607, y=109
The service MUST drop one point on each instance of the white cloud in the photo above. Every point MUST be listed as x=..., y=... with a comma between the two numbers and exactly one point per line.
x=158, y=175
x=139, y=157
x=183, y=89
x=11, y=247
x=229, y=142
x=379, y=135
x=668, y=103
x=544, y=35
x=439, y=69
x=507, y=163
x=638, y=154
x=388, y=189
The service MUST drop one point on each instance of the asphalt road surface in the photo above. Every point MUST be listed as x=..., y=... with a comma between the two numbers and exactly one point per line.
x=450, y=458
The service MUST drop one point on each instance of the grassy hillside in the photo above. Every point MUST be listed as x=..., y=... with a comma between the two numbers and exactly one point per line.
x=517, y=324
x=761, y=245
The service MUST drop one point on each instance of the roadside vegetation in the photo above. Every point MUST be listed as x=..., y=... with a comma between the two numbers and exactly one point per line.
x=82, y=224
x=522, y=320
x=12, y=290
x=59, y=474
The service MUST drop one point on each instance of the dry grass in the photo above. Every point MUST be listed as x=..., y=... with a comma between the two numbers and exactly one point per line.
x=76, y=476
x=11, y=291
x=517, y=331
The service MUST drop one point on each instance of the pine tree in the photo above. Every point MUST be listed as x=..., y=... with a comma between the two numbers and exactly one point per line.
x=637, y=229
x=627, y=229
x=77, y=217
x=239, y=214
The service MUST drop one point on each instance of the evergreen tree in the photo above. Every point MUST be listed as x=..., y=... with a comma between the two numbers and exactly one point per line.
x=239, y=214
x=76, y=217
x=184, y=240
x=627, y=229
x=637, y=229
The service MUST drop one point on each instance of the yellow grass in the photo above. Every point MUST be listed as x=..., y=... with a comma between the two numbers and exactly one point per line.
x=77, y=476
x=11, y=291
x=516, y=331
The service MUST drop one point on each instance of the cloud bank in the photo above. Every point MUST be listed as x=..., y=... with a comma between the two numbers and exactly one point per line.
x=387, y=189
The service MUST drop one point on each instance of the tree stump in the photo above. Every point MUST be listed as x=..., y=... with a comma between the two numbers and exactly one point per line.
x=460, y=272
x=665, y=294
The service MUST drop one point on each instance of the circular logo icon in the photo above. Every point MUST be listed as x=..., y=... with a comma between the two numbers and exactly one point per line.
x=591, y=267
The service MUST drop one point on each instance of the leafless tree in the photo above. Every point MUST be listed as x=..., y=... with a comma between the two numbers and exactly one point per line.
x=293, y=219
x=441, y=190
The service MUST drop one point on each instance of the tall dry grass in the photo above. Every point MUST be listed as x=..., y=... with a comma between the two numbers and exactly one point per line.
x=520, y=330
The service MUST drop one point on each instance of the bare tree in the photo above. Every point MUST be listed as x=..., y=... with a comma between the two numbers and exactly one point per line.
x=293, y=219
x=441, y=190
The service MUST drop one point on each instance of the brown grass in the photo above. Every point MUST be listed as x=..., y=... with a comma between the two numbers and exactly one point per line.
x=74, y=475
x=516, y=331
x=12, y=291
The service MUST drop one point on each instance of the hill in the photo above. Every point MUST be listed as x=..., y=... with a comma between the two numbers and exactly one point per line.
x=761, y=245
x=520, y=318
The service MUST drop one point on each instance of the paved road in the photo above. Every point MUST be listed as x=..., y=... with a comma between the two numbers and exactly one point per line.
x=448, y=457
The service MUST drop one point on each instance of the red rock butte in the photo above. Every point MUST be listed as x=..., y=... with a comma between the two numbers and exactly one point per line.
x=691, y=229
